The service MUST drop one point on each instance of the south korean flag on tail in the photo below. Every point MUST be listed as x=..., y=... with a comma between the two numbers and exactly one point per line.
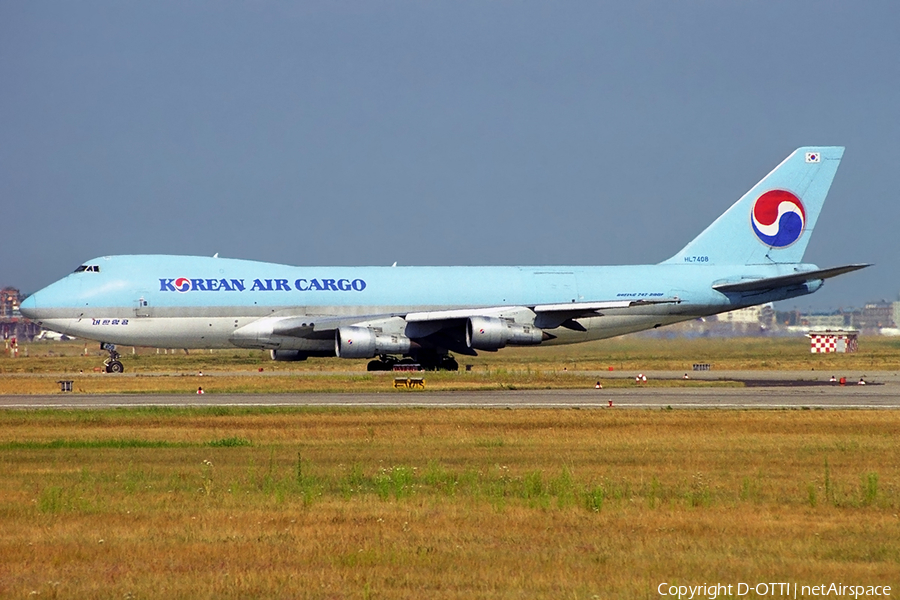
x=813, y=157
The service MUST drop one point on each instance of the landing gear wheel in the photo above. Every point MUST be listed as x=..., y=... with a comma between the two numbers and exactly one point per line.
x=112, y=364
x=448, y=363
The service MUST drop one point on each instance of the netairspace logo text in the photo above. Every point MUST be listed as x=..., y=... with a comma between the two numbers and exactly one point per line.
x=772, y=590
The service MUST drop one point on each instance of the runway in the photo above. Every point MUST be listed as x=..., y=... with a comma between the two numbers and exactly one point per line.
x=775, y=396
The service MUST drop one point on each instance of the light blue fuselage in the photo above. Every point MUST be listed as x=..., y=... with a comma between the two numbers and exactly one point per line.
x=134, y=300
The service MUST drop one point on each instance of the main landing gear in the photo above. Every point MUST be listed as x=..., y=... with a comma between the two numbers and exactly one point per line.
x=447, y=363
x=112, y=364
x=384, y=362
x=429, y=362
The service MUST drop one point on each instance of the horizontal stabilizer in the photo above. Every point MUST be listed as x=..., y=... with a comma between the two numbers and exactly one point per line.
x=769, y=283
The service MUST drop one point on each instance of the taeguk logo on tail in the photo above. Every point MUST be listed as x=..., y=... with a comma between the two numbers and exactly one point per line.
x=778, y=218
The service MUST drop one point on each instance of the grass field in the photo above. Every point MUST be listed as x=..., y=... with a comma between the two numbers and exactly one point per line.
x=452, y=503
x=625, y=353
x=237, y=371
x=232, y=503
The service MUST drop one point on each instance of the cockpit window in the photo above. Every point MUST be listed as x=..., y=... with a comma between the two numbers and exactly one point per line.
x=91, y=268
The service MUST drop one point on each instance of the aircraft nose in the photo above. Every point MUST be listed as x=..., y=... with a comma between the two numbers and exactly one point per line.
x=29, y=307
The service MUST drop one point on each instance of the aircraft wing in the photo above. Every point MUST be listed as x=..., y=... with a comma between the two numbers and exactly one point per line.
x=769, y=283
x=425, y=323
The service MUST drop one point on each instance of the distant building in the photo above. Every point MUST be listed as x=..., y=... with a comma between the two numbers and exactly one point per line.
x=874, y=318
x=12, y=323
x=9, y=304
x=749, y=320
x=835, y=321
x=876, y=315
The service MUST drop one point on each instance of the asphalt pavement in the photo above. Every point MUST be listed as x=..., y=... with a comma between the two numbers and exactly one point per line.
x=766, y=391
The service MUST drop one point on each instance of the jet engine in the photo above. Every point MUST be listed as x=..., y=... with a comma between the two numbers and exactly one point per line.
x=362, y=342
x=491, y=333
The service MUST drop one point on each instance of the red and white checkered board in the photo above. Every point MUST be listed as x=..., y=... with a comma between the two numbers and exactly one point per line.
x=825, y=343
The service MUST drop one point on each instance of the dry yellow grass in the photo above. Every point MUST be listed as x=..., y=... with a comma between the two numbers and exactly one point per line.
x=291, y=383
x=626, y=353
x=253, y=503
x=237, y=371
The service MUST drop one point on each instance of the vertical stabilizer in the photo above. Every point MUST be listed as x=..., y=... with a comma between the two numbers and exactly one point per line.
x=772, y=223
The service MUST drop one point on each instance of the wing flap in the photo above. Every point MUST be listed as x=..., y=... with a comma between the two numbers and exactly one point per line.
x=586, y=308
x=462, y=313
x=551, y=316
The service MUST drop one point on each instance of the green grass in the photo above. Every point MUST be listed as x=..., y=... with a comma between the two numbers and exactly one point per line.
x=245, y=502
x=87, y=444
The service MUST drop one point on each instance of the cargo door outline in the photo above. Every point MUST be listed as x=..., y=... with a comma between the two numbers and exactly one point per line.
x=142, y=305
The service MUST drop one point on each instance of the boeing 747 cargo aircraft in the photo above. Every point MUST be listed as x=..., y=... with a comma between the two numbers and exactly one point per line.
x=750, y=255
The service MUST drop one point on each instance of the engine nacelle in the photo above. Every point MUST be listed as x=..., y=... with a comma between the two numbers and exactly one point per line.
x=491, y=333
x=362, y=342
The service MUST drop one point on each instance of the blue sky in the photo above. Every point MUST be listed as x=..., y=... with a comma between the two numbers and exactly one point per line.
x=437, y=133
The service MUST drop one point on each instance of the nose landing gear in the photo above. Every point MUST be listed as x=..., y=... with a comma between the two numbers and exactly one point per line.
x=112, y=364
